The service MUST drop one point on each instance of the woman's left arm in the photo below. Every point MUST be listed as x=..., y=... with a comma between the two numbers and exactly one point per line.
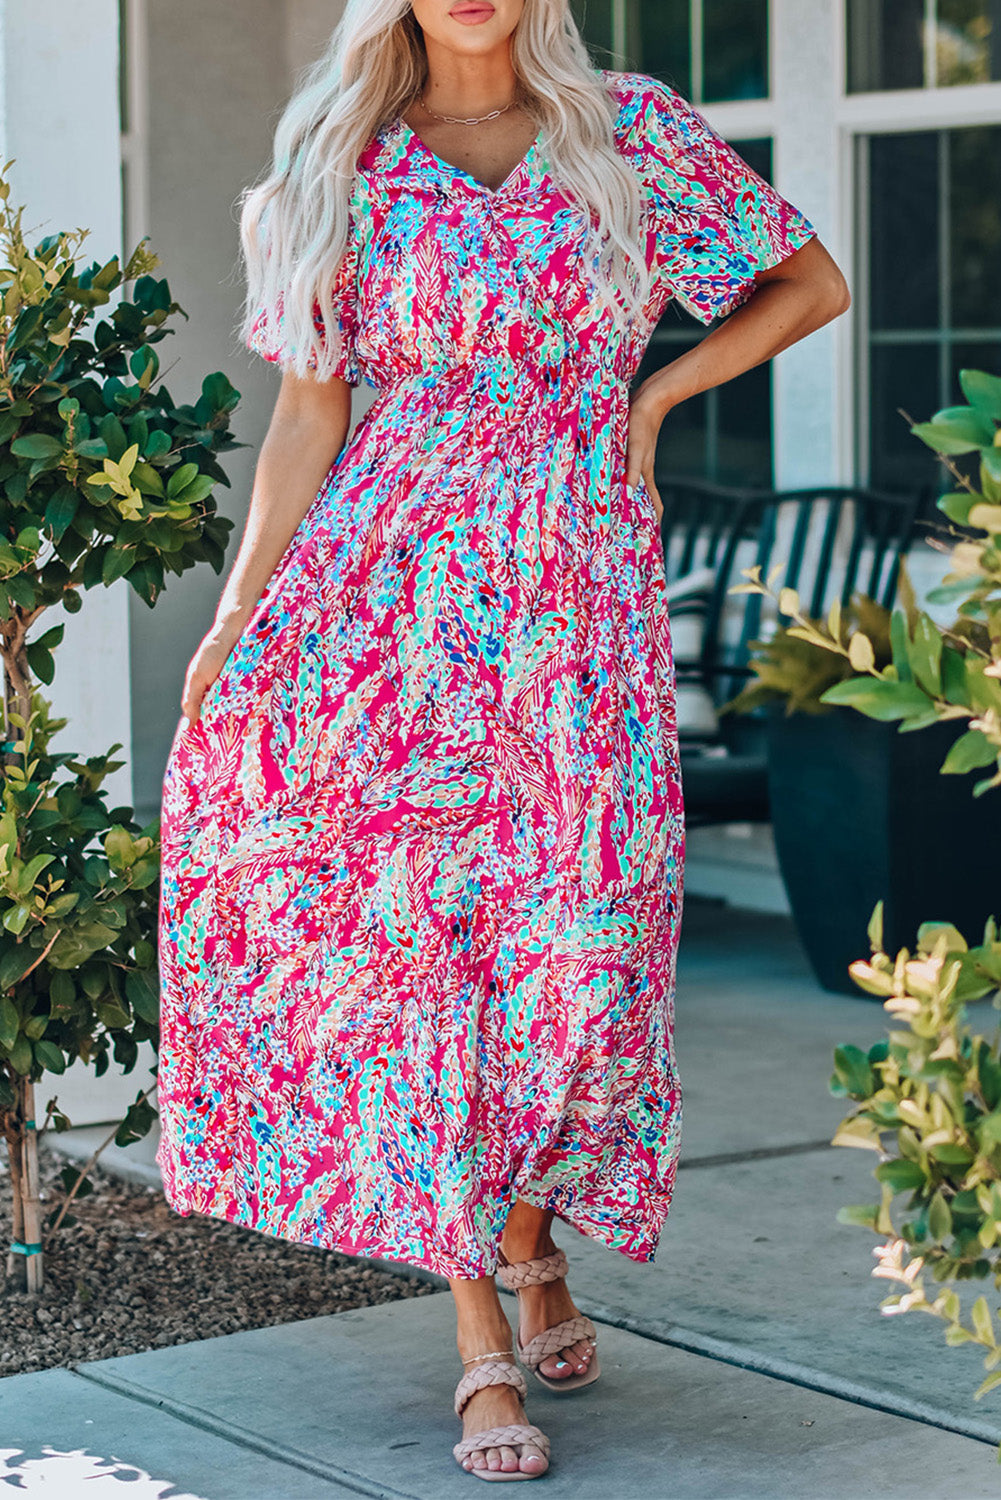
x=790, y=300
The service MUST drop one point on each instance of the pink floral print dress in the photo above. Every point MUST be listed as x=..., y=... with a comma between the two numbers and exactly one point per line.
x=422, y=852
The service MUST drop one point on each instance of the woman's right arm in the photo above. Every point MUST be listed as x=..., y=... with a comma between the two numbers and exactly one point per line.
x=307, y=431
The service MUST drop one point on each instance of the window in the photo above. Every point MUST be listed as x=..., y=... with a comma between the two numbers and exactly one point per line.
x=932, y=202
x=913, y=44
x=710, y=50
x=725, y=434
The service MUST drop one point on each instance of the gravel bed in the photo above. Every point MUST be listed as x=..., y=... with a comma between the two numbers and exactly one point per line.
x=132, y=1274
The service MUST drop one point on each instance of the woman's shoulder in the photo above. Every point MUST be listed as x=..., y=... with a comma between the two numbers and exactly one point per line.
x=639, y=97
x=653, y=121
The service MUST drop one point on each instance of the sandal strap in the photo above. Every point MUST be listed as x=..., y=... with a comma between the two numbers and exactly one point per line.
x=491, y=1372
x=516, y=1273
x=552, y=1340
x=512, y=1436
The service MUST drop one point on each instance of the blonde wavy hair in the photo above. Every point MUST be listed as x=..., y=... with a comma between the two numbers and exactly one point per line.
x=294, y=221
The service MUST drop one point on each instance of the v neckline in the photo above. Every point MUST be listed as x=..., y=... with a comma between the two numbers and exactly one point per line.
x=521, y=165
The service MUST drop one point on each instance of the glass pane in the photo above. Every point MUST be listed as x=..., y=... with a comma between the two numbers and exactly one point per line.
x=968, y=41
x=757, y=153
x=682, y=450
x=744, y=429
x=735, y=49
x=903, y=377
x=594, y=17
x=975, y=217
x=903, y=240
x=660, y=37
x=885, y=44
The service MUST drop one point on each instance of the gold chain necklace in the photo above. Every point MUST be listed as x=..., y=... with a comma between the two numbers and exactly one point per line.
x=461, y=120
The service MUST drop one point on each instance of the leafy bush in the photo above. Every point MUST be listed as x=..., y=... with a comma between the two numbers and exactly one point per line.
x=102, y=477
x=928, y=1101
x=940, y=673
x=797, y=664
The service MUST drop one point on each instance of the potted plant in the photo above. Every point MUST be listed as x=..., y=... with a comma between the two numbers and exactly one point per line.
x=102, y=477
x=844, y=789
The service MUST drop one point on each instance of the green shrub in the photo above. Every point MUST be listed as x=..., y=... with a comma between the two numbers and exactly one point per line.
x=102, y=477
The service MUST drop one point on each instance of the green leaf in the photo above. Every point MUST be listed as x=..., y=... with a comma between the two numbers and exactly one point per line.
x=900, y=643
x=902, y=1176
x=36, y=445
x=982, y=391
x=957, y=505
x=983, y=1323
x=971, y=751
x=180, y=479
x=10, y=1023
x=51, y=1057
x=143, y=993
x=878, y=698
x=926, y=654
x=955, y=429
x=955, y=686
x=951, y=1154
x=939, y=1218
x=852, y=1067
x=875, y=929
x=21, y=1056
x=111, y=1014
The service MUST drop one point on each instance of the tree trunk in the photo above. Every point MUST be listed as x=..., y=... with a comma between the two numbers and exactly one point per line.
x=24, y=1265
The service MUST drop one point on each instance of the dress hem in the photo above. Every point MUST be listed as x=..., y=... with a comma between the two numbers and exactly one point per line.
x=640, y=1248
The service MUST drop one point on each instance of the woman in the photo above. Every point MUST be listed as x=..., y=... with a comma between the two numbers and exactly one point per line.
x=422, y=822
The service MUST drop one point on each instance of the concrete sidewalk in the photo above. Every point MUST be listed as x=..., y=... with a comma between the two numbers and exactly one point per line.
x=749, y=1359
x=360, y=1404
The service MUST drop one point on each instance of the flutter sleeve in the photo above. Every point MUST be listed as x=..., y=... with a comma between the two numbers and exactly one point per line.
x=717, y=222
x=267, y=336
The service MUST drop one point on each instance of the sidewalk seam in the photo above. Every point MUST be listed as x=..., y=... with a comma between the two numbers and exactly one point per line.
x=240, y=1437
x=755, y=1153
x=824, y=1384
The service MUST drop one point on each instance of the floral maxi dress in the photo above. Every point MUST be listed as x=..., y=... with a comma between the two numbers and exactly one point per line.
x=422, y=852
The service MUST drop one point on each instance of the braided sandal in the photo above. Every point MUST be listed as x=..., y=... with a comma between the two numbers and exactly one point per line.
x=497, y=1372
x=519, y=1273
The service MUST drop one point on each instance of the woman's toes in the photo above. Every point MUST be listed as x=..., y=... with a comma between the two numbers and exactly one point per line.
x=583, y=1350
x=493, y=1458
x=509, y=1459
x=533, y=1460
x=557, y=1367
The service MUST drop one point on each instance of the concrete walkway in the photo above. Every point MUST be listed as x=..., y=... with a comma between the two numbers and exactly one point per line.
x=750, y=1359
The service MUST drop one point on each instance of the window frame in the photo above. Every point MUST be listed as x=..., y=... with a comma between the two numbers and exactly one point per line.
x=620, y=58
x=929, y=52
x=893, y=112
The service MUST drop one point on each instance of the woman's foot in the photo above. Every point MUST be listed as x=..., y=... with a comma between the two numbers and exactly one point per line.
x=499, y=1406
x=543, y=1306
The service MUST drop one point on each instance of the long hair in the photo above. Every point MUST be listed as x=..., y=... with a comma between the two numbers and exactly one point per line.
x=294, y=221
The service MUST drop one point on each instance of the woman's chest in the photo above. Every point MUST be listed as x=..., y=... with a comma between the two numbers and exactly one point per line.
x=444, y=275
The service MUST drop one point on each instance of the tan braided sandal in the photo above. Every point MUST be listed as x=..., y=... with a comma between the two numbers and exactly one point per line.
x=518, y=1273
x=494, y=1371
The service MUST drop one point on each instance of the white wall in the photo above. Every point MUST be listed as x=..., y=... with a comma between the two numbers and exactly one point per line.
x=59, y=119
x=214, y=90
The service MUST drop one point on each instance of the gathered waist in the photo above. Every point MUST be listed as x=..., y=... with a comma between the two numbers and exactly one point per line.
x=515, y=390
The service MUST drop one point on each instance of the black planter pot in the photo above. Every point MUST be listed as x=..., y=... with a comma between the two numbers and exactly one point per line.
x=862, y=813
